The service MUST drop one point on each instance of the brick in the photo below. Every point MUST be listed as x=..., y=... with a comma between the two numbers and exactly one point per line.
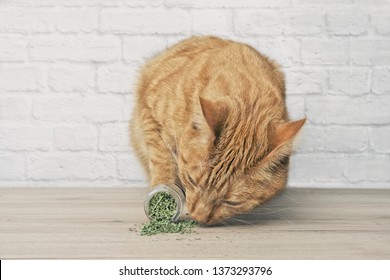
x=12, y=167
x=258, y=22
x=75, y=138
x=129, y=168
x=43, y=20
x=285, y=51
x=68, y=3
x=347, y=22
x=70, y=167
x=142, y=21
x=25, y=138
x=344, y=110
x=316, y=167
x=380, y=22
x=380, y=139
x=71, y=78
x=321, y=3
x=306, y=81
x=93, y=109
x=346, y=139
x=274, y=22
x=129, y=106
x=13, y=48
x=15, y=108
x=226, y=4
x=21, y=78
x=77, y=48
x=19, y=20
x=380, y=81
x=140, y=48
x=371, y=2
x=73, y=20
x=310, y=139
x=116, y=78
x=206, y=21
x=368, y=168
x=295, y=107
x=303, y=22
x=370, y=52
x=114, y=137
x=325, y=51
x=350, y=81
x=143, y=3
x=68, y=69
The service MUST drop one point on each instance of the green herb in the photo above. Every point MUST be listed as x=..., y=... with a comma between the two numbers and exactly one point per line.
x=162, y=207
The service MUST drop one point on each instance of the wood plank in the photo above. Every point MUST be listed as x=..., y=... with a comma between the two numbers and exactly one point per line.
x=94, y=223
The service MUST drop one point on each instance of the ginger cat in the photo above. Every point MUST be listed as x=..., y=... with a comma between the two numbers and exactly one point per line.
x=211, y=117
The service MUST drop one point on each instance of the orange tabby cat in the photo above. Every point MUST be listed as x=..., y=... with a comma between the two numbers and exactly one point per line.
x=211, y=117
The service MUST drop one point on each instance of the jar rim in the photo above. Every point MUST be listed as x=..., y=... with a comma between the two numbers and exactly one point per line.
x=172, y=189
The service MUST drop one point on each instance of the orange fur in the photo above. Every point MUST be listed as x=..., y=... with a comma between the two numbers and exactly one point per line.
x=211, y=117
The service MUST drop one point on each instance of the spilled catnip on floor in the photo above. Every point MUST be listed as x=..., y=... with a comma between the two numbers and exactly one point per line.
x=94, y=223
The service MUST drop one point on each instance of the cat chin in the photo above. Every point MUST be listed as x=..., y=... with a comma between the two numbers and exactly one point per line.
x=208, y=223
x=214, y=222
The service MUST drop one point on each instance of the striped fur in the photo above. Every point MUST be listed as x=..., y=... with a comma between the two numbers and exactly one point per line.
x=211, y=116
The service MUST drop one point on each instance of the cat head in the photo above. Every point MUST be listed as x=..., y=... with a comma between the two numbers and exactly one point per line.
x=229, y=163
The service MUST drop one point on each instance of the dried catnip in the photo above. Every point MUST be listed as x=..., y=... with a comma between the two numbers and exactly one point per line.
x=162, y=207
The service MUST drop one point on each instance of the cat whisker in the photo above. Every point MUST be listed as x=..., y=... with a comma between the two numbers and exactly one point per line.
x=242, y=221
x=256, y=211
x=284, y=217
x=270, y=212
x=277, y=212
x=288, y=197
x=225, y=223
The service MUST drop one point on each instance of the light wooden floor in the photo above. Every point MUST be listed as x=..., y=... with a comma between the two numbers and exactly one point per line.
x=93, y=223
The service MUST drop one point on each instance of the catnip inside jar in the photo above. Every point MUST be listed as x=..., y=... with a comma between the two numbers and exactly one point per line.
x=165, y=201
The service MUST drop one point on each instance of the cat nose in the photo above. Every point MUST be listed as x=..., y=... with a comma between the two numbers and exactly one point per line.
x=197, y=218
x=201, y=219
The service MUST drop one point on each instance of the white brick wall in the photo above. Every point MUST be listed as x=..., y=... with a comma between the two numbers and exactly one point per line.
x=68, y=68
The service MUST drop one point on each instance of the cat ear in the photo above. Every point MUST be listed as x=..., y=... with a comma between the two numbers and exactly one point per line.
x=286, y=132
x=281, y=136
x=214, y=113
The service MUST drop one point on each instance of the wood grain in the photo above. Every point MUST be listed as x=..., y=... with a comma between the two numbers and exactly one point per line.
x=93, y=223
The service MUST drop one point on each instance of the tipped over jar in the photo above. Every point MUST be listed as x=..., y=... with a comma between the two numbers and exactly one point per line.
x=174, y=191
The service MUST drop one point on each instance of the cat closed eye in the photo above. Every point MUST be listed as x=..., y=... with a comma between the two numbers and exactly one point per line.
x=232, y=203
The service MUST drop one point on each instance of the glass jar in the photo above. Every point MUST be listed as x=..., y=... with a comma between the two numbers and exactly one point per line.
x=176, y=192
